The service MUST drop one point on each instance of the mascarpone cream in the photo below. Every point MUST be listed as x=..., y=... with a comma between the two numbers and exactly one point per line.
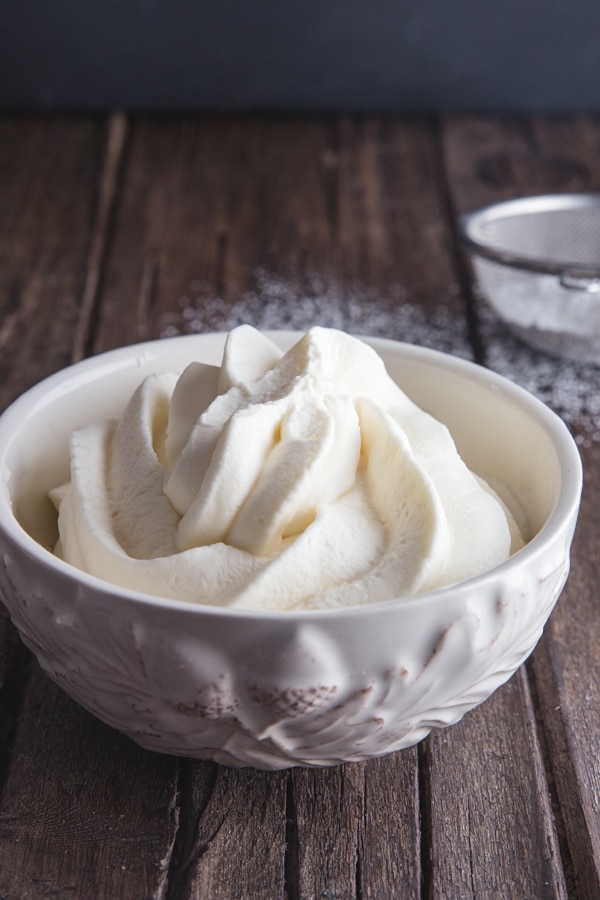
x=278, y=481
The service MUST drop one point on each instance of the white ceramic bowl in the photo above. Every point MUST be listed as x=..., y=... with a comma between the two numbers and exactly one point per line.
x=273, y=690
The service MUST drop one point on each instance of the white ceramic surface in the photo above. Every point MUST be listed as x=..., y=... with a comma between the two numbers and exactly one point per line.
x=273, y=690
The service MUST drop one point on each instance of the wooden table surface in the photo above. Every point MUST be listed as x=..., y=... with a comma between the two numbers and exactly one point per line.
x=116, y=230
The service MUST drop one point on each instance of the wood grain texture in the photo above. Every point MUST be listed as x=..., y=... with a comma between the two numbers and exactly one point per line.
x=84, y=813
x=137, y=229
x=566, y=675
x=48, y=171
x=489, y=160
x=67, y=823
x=107, y=195
x=492, y=826
x=232, y=838
x=48, y=178
x=281, y=223
x=356, y=830
x=392, y=831
x=329, y=805
x=14, y=665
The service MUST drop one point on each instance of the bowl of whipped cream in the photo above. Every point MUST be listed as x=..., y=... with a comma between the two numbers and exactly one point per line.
x=279, y=549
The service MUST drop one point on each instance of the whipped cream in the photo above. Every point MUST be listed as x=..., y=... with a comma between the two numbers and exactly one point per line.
x=278, y=481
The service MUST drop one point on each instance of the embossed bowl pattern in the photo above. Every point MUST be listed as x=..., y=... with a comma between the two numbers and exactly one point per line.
x=273, y=690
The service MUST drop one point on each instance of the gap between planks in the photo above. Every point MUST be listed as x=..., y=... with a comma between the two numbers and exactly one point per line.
x=108, y=190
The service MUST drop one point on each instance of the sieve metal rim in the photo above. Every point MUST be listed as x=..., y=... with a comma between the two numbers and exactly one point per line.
x=468, y=222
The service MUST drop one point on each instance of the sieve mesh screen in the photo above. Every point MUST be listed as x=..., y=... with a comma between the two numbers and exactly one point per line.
x=564, y=236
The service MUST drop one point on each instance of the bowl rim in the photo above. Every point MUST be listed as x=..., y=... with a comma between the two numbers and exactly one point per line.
x=525, y=206
x=562, y=515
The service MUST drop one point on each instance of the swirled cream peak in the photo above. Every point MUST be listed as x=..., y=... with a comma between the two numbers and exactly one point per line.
x=278, y=481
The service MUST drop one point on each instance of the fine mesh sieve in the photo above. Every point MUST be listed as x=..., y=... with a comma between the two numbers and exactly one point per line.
x=537, y=261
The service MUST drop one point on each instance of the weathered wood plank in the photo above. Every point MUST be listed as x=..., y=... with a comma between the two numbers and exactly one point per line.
x=566, y=673
x=82, y=811
x=48, y=172
x=14, y=666
x=392, y=829
x=283, y=224
x=356, y=830
x=47, y=177
x=286, y=223
x=489, y=160
x=493, y=832
x=232, y=838
x=329, y=806
x=108, y=190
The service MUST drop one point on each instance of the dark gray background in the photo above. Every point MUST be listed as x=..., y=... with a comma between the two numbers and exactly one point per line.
x=498, y=55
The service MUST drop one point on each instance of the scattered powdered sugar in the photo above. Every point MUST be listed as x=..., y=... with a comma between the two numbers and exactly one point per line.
x=571, y=389
x=277, y=303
